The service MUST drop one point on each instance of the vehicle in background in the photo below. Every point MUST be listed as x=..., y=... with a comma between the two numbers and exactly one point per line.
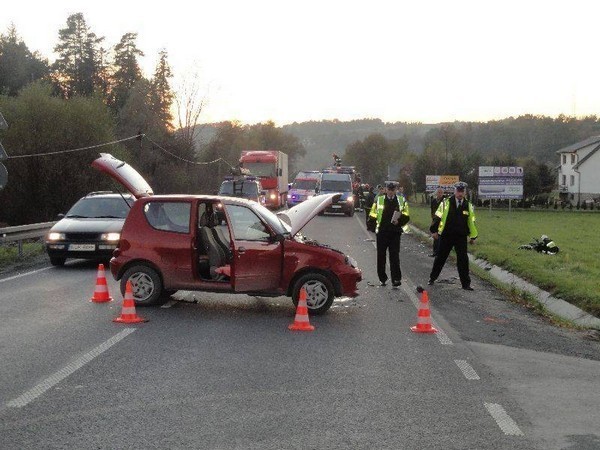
x=303, y=187
x=271, y=168
x=91, y=229
x=244, y=187
x=330, y=182
x=172, y=242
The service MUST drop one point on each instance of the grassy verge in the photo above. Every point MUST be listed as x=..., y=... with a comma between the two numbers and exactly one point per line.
x=9, y=253
x=572, y=274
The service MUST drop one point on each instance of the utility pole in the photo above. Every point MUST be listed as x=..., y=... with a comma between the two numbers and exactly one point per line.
x=3, y=156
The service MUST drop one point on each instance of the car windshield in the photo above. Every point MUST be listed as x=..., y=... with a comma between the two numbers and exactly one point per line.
x=305, y=184
x=242, y=189
x=261, y=169
x=98, y=207
x=274, y=222
x=336, y=185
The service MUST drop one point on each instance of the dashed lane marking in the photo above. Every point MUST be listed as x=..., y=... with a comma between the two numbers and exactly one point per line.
x=467, y=369
x=63, y=373
x=504, y=421
x=24, y=274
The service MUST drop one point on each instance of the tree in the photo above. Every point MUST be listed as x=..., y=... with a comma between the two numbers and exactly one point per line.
x=18, y=66
x=189, y=107
x=370, y=156
x=266, y=136
x=126, y=69
x=43, y=186
x=76, y=70
x=162, y=96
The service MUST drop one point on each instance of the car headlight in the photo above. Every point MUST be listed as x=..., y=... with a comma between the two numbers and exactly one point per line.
x=56, y=236
x=273, y=196
x=350, y=198
x=110, y=236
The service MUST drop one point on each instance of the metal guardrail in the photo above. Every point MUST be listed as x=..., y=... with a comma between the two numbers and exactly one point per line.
x=22, y=232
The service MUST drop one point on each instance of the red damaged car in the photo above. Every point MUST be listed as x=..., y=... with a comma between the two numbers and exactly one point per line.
x=223, y=244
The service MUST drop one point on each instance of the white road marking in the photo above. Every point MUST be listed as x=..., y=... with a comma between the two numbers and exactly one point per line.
x=467, y=369
x=63, y=373
x=24, y=274
x=504, y=421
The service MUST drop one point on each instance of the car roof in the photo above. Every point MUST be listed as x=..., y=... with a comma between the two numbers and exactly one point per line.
x=212, y=198
x=336, y=176
x=107, y=194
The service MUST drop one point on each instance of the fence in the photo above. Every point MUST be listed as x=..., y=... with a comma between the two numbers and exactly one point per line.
x=20, y=233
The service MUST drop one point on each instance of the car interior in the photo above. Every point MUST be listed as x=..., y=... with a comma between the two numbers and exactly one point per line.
x=214, y=246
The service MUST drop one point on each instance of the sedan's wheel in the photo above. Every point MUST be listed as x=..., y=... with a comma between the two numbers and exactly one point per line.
x=319, y=292
x=145, y=284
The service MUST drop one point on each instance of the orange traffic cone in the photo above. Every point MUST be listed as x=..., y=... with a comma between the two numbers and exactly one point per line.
x=423, y=318
x=301, y=322
x=101, y=294
x=128, y=314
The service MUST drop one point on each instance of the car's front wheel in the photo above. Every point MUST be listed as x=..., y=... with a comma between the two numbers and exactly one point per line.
x=146, y=285
x=319, y=292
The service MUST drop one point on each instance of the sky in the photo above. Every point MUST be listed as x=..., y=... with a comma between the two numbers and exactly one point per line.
x=415, y=61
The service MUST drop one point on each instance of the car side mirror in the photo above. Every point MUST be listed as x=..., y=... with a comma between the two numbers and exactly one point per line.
x=60, y=216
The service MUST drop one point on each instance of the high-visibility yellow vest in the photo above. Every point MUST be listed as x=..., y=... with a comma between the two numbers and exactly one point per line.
x=442, y=213
x=378, y=208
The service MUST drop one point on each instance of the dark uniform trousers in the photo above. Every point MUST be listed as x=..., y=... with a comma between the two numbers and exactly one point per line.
x=459, y=242
x=388, y=241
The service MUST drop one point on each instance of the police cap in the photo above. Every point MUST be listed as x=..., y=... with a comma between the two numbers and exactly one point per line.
x=460, y=186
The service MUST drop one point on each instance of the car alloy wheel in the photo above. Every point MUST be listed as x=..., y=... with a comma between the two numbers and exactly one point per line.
x=146, y=285
x=319, y=292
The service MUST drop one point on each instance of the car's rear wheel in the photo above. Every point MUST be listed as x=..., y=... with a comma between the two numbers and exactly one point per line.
x=319, y=292
x=57, y=261
x=146, y=285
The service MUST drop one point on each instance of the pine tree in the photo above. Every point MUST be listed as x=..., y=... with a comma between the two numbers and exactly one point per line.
x=76, y=70
x=126, y=70
x=18, y=65
x=162, y=96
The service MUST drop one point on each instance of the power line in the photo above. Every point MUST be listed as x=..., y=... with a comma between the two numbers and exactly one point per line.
x=77, y=149
x=196, y=163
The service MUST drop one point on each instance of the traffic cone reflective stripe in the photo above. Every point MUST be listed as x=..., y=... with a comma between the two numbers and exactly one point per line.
x=128, y=314
x=424, y=317
x=101, y=294
x=301, y=322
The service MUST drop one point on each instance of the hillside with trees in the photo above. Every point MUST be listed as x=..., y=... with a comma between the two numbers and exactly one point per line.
x=95, y=98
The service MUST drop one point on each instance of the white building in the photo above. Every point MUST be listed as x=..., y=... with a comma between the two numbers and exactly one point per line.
x=579, y=171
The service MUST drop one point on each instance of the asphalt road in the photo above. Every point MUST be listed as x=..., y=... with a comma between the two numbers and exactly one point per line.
x=219, y=371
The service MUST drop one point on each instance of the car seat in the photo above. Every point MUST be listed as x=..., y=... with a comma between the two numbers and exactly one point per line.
x=215, y=250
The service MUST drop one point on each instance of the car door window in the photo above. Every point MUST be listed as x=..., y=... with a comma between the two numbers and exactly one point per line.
x=169, y=216
x=246, y=225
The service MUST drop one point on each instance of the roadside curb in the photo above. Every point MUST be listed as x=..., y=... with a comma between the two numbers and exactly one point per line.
x=555, y=305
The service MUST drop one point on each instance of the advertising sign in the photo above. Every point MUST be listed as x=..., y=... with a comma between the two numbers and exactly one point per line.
x=499, y=182
x=446, y=182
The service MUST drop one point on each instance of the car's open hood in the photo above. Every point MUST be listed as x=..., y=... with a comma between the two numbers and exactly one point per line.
x=301, y=214
x=124, y=174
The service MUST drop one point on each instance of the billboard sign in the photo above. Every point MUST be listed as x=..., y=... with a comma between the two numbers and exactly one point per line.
x=500, y=182
x=446, y=182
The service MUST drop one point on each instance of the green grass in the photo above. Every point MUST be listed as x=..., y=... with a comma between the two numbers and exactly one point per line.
x=9, y=253
x=572, y=274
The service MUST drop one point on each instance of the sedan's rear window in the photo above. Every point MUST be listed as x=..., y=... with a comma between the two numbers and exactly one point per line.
x=169, y=216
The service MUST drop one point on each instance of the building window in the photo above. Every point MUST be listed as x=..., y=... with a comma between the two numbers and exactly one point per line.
x=573, y=157
x=564, y=180
x=572, y=183
x=564, y=158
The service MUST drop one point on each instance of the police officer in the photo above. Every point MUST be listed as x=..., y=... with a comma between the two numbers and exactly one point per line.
x=436, y=200
x=454, y=222
x=372, y=214
x=389, y=229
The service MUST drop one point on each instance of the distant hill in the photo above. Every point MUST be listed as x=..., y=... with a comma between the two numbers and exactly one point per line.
x=321, y=139
x=538, y=137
